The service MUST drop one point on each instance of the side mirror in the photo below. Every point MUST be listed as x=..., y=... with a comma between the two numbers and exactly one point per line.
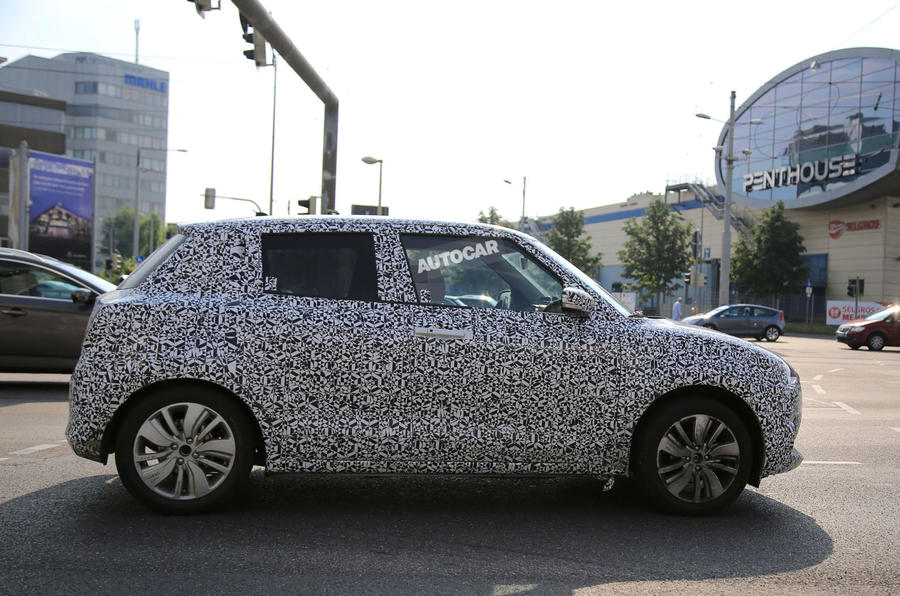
x=577, y=302
x=82, y=296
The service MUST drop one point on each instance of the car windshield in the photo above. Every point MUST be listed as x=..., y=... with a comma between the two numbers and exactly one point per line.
x=882, y=314
x=588, y=281
x=717, y=310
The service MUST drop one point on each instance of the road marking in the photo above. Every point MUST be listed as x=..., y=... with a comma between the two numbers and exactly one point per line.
x=819, y=389
x=111, y=480
x=61, y=441
x=3, y=458
x=833, y=370
x=831, y=463
x=817, y=378
x=845, y=407
x=34, y=449
x=895, y=428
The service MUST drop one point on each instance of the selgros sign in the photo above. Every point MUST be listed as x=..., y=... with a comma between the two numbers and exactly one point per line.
x=841, y=311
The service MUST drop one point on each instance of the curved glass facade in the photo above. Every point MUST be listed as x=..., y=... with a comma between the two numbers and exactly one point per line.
x=821, y=129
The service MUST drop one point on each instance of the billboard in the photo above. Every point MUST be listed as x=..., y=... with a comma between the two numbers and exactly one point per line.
x=60, y=207
x=841, y=311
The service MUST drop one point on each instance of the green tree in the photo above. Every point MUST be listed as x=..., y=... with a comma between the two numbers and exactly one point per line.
x=568, y=238
x=657, y=251
x=117, y=233
x=493, y=217
x=770, y=262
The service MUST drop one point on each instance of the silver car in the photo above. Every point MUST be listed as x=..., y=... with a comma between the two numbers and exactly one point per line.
x=742, y=320
x=324, y=344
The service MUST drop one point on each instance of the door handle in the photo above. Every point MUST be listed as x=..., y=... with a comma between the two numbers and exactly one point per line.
x=443, y=333
x=14, y=312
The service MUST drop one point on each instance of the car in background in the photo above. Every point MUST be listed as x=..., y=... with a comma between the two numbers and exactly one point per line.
x=879, y=329
x=743, y=320
x=44, y=309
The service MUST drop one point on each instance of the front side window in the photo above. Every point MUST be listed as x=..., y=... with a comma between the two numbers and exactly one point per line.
x=479, y=273
x=334, y=265
x=18, y=279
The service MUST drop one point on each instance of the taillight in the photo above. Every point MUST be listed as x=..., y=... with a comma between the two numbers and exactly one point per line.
x=781, y=316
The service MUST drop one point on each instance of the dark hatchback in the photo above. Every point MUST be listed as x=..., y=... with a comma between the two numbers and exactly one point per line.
x=44, y=309
x=743, y=320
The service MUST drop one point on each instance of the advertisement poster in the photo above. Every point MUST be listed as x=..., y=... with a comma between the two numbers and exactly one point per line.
x=61, y=211
x=841, y=311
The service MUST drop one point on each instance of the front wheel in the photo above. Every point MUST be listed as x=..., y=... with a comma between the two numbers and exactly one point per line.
x=772, y=333
x=875, y=342
x=693, y=456
x=185, y=451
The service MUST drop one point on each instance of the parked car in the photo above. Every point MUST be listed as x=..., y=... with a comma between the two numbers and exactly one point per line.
x=879, y=329
x=742, y=320
x=44, y=309
x=322, y=344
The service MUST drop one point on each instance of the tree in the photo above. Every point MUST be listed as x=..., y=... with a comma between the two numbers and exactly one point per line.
x=117, y=232
x=657, y=251
x=493, y=217
x=565, y=237
x=770, y=262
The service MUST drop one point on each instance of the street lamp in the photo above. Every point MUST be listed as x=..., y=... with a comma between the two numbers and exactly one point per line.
x=524, y=180
x=137, y=197
x=371, y=161
x=725, y=271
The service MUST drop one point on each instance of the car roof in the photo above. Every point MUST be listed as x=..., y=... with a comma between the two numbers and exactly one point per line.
x=61, y=267
x=24, y=255
x=264, y=223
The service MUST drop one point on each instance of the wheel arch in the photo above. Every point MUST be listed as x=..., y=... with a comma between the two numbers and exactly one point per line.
x=738, y=405
x=109, y=436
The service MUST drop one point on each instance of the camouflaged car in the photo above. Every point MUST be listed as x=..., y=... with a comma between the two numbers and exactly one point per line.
x=327, y=344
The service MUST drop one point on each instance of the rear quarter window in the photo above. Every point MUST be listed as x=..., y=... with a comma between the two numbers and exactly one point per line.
x=328, y=265
x=150, y=264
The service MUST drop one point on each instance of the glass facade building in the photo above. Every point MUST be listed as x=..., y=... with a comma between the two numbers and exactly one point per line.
x=821, y=130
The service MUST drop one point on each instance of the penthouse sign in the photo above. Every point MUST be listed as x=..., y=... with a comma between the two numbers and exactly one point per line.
x=811, y=171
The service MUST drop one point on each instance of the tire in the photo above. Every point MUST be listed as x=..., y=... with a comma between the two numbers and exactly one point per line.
x=688, y=481
x=875, y=342
x=772, y=333
x=192, y=472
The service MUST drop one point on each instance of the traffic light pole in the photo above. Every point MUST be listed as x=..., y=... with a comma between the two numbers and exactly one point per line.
x=280, y=42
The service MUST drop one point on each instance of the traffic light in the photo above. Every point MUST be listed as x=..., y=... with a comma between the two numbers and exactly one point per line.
x=703, y=279
x=688, y=278
x=258, y=53
x=695, y=244
x=209, y=198
x=116, y=260
x=309, y=204
x=855, y=287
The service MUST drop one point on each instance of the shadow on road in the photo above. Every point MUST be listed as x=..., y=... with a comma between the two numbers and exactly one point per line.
x=426, y=535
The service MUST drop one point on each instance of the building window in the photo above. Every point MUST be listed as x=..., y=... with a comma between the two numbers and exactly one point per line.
x=86, y=87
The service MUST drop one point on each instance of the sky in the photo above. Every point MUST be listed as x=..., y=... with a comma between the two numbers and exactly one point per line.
x=591, y=101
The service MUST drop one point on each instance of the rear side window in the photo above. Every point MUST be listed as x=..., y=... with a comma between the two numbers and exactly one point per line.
x=150, y=264
x=334, y=265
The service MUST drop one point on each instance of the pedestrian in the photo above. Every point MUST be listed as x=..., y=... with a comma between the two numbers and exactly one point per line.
x=676, y=309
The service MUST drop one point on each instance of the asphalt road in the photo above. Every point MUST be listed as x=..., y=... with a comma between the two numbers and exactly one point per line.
x=830, y=526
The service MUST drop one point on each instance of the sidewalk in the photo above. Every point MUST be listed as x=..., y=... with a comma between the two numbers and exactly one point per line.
x=40, y=378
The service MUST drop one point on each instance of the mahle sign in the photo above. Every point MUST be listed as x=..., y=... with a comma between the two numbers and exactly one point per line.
x=818, y=171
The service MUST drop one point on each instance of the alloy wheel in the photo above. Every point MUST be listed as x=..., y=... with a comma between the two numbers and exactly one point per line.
x=184, y=451
x=698, y=458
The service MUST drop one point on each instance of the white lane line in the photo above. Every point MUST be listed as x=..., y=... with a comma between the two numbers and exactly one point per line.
x=817, y=378
x=818, y=389
x=62, y=441
x=831, y=463
x=895, y=428
x=34, y=449
x=111, y=480
x=846, y=408
x=3, y=458
x=815, y=408
x=835, y=370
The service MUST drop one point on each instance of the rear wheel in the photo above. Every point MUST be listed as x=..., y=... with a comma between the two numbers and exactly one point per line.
x=875, y=342
x=693, y=456
x=772, y=333
x=185, y=450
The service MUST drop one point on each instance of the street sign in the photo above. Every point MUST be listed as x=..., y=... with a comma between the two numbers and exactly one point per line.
x=808, y=291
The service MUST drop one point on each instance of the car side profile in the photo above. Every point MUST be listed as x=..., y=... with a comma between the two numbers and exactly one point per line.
x=325, y=344
x=742, y=320
x=44, y=309
x=875, y=331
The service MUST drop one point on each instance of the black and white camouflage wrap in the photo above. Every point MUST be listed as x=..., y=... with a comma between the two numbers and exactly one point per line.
x=346, y=386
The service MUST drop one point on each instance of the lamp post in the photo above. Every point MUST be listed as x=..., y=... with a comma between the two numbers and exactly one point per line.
x=137, y=197
x=370, y=161
x=524, y=180
x=725, y=271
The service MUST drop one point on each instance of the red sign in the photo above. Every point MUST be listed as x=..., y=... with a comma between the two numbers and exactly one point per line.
x=835, y=228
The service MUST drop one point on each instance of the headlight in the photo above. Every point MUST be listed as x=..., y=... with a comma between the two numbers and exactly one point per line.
x=855, y=329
